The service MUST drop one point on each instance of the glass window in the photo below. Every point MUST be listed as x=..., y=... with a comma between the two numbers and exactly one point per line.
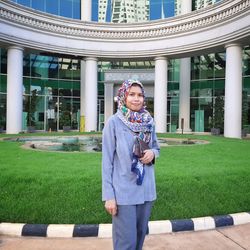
x=173, y=70
x=39, y=66
x=75, y=117
x=30, y=108
x=26, y=65
x=76, y=88
x=195, y=67
x=246, y=61
x=219, y=65
x=38, y=5
x=25, y=2
x=219, y=87
x=51, y=104
x=95, y=11
x=37, y=85
x=65, y=111
x=40, y=113
x=204, y=105
x=207, y=66
x=53, y=67
x=51, y=86
x=66, y=8
x=65, y=88
x=77, y=9
x=65, y=68
x=75, y=67
x=52, y=6
x=3, y=58
x=3, y=83
x=26, y=85
x=246, y=83
x=33, y=111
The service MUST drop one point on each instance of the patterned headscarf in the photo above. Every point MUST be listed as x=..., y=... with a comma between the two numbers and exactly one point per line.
x=141, y=123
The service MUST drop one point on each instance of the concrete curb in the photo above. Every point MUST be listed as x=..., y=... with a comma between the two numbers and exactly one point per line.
x=105, y=230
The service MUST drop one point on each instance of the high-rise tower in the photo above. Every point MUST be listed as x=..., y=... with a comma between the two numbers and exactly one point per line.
x=203, y=3
x=124, y=11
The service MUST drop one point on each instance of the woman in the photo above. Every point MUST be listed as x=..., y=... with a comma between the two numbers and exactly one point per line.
x=128, y=182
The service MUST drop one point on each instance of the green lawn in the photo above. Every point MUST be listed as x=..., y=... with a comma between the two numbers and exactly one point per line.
x=192, y=181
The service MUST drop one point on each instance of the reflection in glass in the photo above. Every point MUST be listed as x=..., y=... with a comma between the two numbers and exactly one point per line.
x=219, y=65
x=3, y=83
x=51, y=107
x=3, y=61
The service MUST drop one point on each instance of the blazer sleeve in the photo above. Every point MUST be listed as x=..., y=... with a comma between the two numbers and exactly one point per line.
x=108, y=151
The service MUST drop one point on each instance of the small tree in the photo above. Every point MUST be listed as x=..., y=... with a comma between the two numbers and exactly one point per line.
x=2, y=123
x=30, y=107
x=65, y=113
x=218, y=114
x=244, y=109
x=245, y=114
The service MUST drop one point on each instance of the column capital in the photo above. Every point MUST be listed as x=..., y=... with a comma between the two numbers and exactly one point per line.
x=160, y=58
x=109, y=83
x=91, y=59
x=16, y=47
x=233, y=45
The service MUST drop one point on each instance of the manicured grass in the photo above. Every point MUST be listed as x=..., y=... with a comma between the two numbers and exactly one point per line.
x=192, y=181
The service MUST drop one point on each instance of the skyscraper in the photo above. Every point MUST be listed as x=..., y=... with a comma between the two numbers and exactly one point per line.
x=204, y=3
x=198, y=4
x=123, y=11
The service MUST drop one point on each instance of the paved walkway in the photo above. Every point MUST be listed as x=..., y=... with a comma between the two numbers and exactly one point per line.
x=227, y=238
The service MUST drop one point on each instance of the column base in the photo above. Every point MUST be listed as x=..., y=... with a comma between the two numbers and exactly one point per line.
x=185, y=131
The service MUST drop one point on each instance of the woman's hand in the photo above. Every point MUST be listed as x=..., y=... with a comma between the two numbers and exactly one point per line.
x=111, y=207
x=148, y=156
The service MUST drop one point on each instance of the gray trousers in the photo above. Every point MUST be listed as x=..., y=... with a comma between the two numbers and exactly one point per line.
x=130, y=226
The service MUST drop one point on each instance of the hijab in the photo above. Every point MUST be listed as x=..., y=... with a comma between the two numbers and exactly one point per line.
x=140, y=122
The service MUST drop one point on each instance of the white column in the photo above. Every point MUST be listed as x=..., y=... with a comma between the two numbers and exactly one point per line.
x=186, y=6
x=233, y=91
x=109, y=100
x=86, y=13
x=14, y=90
x=86, y=10
x=90, y=95
x=160, y=94
x=82, y=101
x=185, y=78
x=184, y=95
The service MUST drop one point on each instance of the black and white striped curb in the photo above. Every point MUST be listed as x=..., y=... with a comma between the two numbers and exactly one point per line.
x=105, y=230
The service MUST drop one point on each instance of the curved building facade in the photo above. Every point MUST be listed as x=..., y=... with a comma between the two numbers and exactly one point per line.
x=60, y=68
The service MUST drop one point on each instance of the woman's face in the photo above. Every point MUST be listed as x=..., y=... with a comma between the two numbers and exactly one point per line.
x=134, y=99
